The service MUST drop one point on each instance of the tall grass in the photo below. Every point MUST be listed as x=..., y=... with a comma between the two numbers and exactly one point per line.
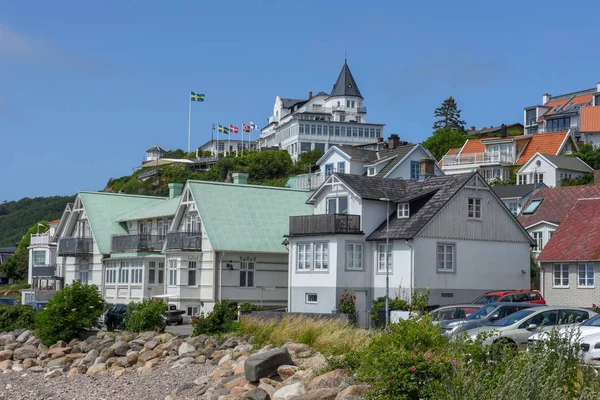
x=328, y=336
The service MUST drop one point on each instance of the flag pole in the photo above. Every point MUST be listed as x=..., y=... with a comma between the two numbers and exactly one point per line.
x=229, y=142
x=189, y=123
x=243, y=125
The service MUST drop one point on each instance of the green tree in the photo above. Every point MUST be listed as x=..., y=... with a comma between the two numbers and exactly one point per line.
x=307, y=162
x=145, y=316
x=448, y=116
x=589, y=155
x=587, y=179
x=265, y=165
x=17, y=265
x=443, y=140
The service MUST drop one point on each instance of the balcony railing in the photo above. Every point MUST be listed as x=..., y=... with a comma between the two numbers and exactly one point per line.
x=361, y=109
x=189, y=241
x=43, y=270
x=72, y=246
x=324, y=224
x=478, y=158
x=40, y=239
x=309, y=181
x=134, y=243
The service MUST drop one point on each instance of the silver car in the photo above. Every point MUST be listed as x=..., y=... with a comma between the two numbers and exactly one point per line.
x=454, y=312
x=516, y=329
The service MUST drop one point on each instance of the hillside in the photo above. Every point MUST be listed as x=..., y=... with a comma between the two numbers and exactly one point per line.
x=16, y=217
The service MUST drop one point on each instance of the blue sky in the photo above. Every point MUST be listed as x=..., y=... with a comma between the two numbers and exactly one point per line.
x=86, y=87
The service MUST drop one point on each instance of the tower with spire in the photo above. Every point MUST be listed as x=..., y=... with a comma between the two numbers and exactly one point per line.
x=321, y=120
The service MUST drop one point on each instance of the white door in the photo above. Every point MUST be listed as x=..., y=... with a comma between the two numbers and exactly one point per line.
x=362, y=308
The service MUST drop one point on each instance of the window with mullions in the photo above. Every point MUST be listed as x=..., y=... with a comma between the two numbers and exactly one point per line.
x=532, y=206
x=321, y=256
x=192, y=266
x=586, y=275
x=415, y=170
x=247, y=273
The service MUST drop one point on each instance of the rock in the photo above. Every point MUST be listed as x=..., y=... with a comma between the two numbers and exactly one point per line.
x=316, y=362
x=132, y=358
x=121, y=372
x=286, y=371
x=183, y=387
x=120, y=348
x=122, y=362
x=58, y=352
x=53, y=374
x=238, y=367
x=215, y=394
x=201, y=359
x=226, y=358
x=29, y=362
x=150, y=345
x=36, y=369
x=24, y=336
x=57, y=362
x=319, y=394
x=96, y=369
x=60, y=343
x=257, y=394
x=331, y=379
x=18, y=367
x=107, y=353
x=294, y=348
x=233, y=381
x=12, y=346
x=74, y=356
x=267, y=388
x=6, y=355
x=170, y=397
x=354, y=391
x=229, y=344
x=184, y=361
x=197, y=341
x=100, y=360
x=24, y=352
x=7, y=338
x=135, y=346
x=6, y=365
x=264, y=364
x=185, y=348
x=295, y=389
x=149, y=355
x=82, y=369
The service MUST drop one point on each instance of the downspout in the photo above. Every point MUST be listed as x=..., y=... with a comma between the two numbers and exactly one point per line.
x=412, y=266
x=221, y=277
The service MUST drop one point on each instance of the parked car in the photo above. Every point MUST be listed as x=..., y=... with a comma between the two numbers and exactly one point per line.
x=38, y=305
x=8, y=301
x=517, y=328
x=485, y=316
x=113, y=318
x=455, y=312
x=512, y=296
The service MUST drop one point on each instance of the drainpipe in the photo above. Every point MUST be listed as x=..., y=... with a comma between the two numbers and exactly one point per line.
x=412, y=266
x=221, y=277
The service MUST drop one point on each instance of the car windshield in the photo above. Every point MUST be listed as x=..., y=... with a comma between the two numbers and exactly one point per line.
x=486, y=299
x=511, y=319
x=481, y=313
x=593, y=322
x=9, y=302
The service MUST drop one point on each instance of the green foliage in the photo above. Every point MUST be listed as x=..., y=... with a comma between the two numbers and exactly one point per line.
x=396, y=304
x=307, y=161
x=145, y=316
x=17, y=216
x=587, y=179
x=16, y=317
x=71, y=310
x=265, y=165
x=448, y=116
x=220, y=320
x=17, y=265
x=443, y=140
x=347, y=303
x=247, y=307
x=588, y=154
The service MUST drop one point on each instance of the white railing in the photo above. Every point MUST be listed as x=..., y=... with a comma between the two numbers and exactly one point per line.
x=309, y=181
x=39, y=239
x=477, y=159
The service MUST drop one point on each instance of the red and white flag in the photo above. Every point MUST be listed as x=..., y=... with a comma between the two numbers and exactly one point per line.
x=233, y=129
x=246, y=128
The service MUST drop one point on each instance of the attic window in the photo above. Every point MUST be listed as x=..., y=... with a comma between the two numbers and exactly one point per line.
x=532, y=206
x=403, y=210
x=371, y=171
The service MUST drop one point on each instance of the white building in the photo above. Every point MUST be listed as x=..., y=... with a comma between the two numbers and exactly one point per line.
x=515, y=196
x=551, y=169
x=43, y=275
x=154, y=153
x=223, y=145
x=450, y=234
x=321, y=121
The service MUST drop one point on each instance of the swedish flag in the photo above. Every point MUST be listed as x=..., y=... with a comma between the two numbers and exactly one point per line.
x=223, y=129
x=196, y=96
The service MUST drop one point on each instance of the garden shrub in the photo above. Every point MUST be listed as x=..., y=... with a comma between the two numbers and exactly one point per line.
x=145, y=316
x=347, y=303
x=75, y=308
x=220, y=320
x=16, y=317
x=247, y=307
x=396, y=304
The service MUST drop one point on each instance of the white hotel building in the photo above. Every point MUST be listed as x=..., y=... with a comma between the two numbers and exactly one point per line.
x=321, y=121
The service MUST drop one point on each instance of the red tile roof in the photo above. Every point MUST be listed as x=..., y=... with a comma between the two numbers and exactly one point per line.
x=578, y=236
x=449, y=153
x=56, y=221
x=584, y=98
x=590, y=119
x=556, y=203
x=473, y=146
x=545, y=143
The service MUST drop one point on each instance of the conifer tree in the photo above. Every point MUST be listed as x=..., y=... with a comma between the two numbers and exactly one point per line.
x=448, y=116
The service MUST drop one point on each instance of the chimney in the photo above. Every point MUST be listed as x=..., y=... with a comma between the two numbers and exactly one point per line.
x=597, y=177
x=546, y=98
x=175, y=190
x=427, y=167
x=472, y=128
x=309, y=95
x=393, y=141
x=240, y=178
x=503, y=131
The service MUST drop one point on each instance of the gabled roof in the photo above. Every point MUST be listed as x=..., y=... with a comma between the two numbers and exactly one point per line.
x=590, y=119
x=104, y=210
x=345, y=84
x=578, y=236
x=493, y=129
x=247, y=218
x=557, y=201
x=289, y=103
x=566, y=104
x=515, y=191
x=164, y=208
x=567, y=162
x=545, y=143
x=398, y=155
x=375, y=188
x=156, y=148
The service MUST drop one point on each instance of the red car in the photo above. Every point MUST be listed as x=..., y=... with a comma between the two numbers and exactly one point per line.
x=513, y=296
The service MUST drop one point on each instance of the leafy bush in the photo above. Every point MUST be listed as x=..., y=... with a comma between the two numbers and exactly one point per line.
x=16, y=317
x=145, y=316
x=396, y=304
x=347, y=303
x=248, y=307
x=71, y=310
x=220, y=320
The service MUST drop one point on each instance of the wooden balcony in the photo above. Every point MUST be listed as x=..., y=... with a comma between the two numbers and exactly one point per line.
x=324, y=224
x=186, y=241
x=74, y=246
x=135, y=243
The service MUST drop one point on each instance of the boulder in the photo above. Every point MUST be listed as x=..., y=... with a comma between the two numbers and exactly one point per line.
x=267, y=388
x=185, y=348
x=6, y=355
x=331, y=379
x=149, y=355
x=120, y=348
x=36, y=369
x=150, y=345
x=354, y=391
x=264, y=364
x=183, y=361
x=316, y=362
x=107, y=353
x=319, y=394
x=53, y=374
x=12, y=346
x=29, y=362
x=197, y=341
x=295, y=389
x=229, y=344
x=7, y=338
x=82, y=369
x=132, y=358
x=24, y=336
x=24, y=352
x=96, y=369
x=286, y=371
x=57, y=362
x=233, y=381
x=60, y=343
x=6, y=365
x=74, y=356
x=257, y=394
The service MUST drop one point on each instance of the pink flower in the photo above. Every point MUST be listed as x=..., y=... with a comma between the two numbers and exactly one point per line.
x=428, y=356
x=392, y=381
x=413, y=369
x=454, y=362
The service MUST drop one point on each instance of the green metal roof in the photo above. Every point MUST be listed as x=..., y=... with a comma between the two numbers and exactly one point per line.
x=104, y=210
x=165, y=208
x=116, y=256
x=247, y=218
x=292, y=182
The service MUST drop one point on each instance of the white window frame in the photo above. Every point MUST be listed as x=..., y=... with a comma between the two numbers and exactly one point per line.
x=321, y=258
x=152, y=273
x=516, y=206
x=586, y=275
x=337, y=204
x=474, y=210
x=381, y=258
x=536, y=177
x=354, y=263
x=371, y=171
x=84, y=272
x=307, y=298
x=562, y=268
x=137, y=272
x=193, y=267
x=538, y=236
x=247, y=269
x=36, y=262
x=442, y=248
x=160, y=278
x=341, y=167
x=304, y=257
x=172, y=273
x=192, y=310
x=123, y=276
x=403, y=210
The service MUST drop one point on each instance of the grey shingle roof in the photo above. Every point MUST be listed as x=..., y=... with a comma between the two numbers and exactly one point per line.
x=513, y=191
x=289, y=103
x=492, y=129
x=400, y=152
x=371, y=156
x=374, y=188
x=358, y=153
x=345, y=84
x=570, y=163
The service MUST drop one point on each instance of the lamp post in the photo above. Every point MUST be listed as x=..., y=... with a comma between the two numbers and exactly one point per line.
x=387, y=266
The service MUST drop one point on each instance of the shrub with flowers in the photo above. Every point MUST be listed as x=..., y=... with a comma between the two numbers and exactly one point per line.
x=347, y=303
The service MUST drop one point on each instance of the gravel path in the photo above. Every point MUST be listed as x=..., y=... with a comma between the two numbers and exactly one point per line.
x=155, y=385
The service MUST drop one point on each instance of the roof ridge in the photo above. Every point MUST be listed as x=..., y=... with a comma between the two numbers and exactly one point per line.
x=122, y=194
x=248, y=185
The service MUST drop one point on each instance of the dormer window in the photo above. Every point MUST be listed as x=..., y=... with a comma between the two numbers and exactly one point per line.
x=532, y=207
x=403, y=210
x=371, y=171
